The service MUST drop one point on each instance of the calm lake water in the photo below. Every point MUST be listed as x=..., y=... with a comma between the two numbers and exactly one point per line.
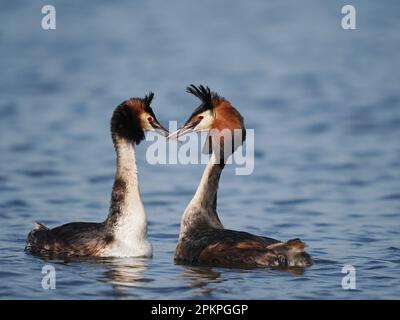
x=324, y=103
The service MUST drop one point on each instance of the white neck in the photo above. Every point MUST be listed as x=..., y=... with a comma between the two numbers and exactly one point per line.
x=207, y=190
x=202, y=207
x=127, y=217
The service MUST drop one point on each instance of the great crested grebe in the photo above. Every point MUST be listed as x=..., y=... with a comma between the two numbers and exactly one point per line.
x=203, y=240
x=124, y=232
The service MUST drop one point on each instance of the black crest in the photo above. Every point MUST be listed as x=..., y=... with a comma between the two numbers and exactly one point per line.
x=147, y=102
x=125, y=121
x=201, y=92
x=148, y=99
x=207, y=97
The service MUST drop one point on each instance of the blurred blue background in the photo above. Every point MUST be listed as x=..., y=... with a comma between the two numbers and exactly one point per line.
x=324, y=103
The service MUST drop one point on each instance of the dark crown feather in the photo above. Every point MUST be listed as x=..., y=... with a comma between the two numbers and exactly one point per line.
x=147, y=102
x=126, y=123
x=148, y=99
x=207, y=97
x=201, y=92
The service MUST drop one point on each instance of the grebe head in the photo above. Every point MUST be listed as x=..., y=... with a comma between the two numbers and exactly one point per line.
x=215, y=114
x=133, y=117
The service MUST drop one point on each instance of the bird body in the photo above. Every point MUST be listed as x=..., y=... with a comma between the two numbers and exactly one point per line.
x=203, y=240
x=124, y=232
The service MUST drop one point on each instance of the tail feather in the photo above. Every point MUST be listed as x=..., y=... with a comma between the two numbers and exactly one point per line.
x=39, y=226
x=292, y=253
x=35, y=235
x=296, y=245
x=292, y=245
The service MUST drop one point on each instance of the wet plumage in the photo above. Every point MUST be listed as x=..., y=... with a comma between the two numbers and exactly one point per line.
x=229, y=248
x=73, y=239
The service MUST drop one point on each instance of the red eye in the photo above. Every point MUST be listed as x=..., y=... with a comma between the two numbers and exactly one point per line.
x=200, y=117
x=150, y=119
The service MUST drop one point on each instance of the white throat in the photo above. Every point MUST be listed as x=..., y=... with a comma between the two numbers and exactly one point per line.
x=202, y=208
x=127, y=217
x=203, y=187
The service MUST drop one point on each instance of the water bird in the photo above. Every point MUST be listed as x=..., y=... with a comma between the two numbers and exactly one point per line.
x=124, y=232
x=203, y=240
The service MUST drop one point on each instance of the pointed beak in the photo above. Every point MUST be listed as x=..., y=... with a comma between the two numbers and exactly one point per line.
x=188, y=128
x=159, y=128
x=180, y=132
